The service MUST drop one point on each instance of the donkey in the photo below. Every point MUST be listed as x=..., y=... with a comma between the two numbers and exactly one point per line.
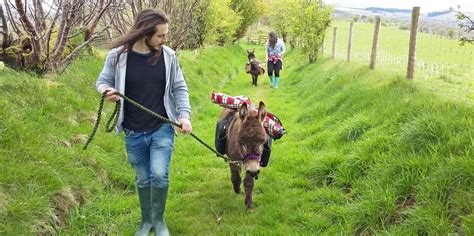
x=254, y=66
x=245, y=139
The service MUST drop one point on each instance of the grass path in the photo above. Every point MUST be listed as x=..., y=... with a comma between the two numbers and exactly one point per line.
x=366, y=153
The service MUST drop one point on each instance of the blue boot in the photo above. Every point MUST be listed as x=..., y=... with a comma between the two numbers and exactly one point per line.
x=277, y=81
x=271, y=82
x=144, y=194
x=158, y=203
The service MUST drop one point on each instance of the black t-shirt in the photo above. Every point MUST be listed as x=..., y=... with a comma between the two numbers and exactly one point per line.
x=144, y=84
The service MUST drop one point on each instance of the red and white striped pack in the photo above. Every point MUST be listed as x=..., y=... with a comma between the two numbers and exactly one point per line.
x=272, y=124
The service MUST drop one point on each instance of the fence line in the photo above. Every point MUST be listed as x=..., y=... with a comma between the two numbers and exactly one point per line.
x=256, y=39
x=438, y=62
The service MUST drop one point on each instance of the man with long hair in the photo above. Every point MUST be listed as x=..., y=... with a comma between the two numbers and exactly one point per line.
x=142, y=68
x=274, y=48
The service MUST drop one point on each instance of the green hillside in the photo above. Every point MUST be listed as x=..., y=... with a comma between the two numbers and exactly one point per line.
x=366, y=152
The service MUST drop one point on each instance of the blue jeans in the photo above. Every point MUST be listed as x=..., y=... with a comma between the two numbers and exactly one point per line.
x=149, y=153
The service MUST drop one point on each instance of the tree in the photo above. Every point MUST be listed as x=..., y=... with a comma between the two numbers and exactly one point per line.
x=280, y=16
x=4, y=32
x=249, y=11
x=451, y=33
x=200, y=29
x=467, y=24
x=93, y=20
x=214, y=22
x=370, y=19
x=225, y=22
x=122, y=14
x=355, y=18
x=310, y=24
x=47, y=40
x=47, y=35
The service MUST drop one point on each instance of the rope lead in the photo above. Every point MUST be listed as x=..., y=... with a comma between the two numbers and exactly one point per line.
x=110, y=126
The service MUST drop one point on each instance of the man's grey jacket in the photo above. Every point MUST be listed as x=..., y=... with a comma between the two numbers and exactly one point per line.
x=176, y=98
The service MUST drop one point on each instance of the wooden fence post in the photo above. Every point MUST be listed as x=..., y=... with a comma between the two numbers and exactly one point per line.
x=373, y=55
x=415, y=14
x=334, y=43
x=259, y=40
x=349, y=44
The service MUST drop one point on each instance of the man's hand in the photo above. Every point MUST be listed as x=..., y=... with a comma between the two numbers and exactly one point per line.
x=185, y=124
x=111, y=96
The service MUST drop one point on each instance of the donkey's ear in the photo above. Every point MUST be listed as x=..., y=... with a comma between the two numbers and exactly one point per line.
x=253, y=50
x=247, y=50
x=243, y=111
x=262, y=113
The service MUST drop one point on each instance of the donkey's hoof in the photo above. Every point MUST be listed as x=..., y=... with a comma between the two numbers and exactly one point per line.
x=249, y=207
x=237, y=190
x=249, y=210
x=249, y=204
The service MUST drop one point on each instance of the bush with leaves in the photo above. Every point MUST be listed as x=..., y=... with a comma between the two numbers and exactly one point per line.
x=214, y=22
x=309, y=24
x=280, y=14
x=249, y=11
x=302, y=21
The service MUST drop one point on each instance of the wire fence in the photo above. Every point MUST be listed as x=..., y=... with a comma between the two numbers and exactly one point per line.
x=441, y=63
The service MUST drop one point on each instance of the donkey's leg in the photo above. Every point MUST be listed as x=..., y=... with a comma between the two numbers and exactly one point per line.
x=235, y=177
x=248, y=185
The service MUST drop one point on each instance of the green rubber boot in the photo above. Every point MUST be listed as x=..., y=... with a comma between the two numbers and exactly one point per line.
x=144, y=194
x=271, y=81
x=158, y=199
x=277, y=81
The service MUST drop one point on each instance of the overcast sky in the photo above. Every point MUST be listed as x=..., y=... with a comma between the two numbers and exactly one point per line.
x=425, y=5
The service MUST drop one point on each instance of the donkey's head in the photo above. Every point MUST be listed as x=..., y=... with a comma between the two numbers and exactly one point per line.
x=252, y=137
x=251, y=54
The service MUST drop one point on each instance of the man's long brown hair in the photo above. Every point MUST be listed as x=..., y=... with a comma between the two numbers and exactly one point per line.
x=272, y=39
x=144, y=26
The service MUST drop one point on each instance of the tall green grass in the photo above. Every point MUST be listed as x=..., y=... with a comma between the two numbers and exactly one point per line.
x=366, y=152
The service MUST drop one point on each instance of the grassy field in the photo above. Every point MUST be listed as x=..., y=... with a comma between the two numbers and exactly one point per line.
x=366, y=152
x=393, y=42
x=441, y=63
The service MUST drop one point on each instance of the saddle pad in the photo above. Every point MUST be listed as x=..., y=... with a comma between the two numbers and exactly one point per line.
x=271, y=123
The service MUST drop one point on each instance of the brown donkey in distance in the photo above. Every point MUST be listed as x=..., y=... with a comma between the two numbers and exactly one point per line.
x=255, y=69
x=245, y=139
